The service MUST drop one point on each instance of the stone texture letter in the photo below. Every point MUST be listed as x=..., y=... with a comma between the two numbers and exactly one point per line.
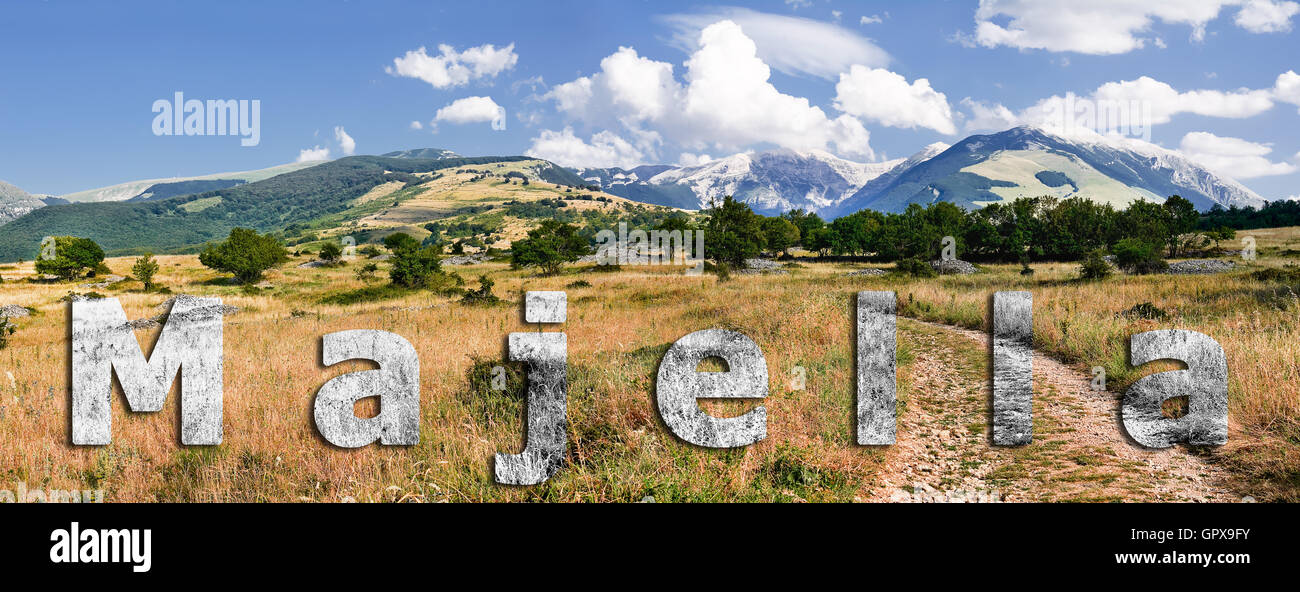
x=103, y=343
x=548, y=389
x=396, y=383
x=679, y=386
x=1013, y=374
x=877, y=346
x=1204, y=383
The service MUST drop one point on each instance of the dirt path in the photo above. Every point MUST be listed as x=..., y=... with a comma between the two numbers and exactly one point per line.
x=1079, y=452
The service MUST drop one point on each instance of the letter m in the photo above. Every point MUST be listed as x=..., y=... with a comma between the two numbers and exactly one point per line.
x=103, y=343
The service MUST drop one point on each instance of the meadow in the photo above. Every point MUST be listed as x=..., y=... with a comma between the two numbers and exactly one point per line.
x=619, y=325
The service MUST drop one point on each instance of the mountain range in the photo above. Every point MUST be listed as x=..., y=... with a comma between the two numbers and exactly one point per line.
x=977, y=171
x=179, y=213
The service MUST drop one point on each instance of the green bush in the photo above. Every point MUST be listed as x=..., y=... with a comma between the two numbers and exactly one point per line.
x=1138, y=256
x=246, y=254
x=144, y=269
x=1094, y=267
x=915, y=268
x=548, y=247
x=69, y=257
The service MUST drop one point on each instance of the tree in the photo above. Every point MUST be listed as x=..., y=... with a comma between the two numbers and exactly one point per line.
x=412, y=265
x=144, y=269
x=779, y=234
x=1181, y=218
x=733, y=233
x=246, y=254
x=330, y=252
x=674, y=223
x=71, y=256
x=807, y=223
x=548, y=247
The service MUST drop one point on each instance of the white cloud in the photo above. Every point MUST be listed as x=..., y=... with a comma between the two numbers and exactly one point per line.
x=688, y=159
x=1105, y=27
x=791, y=45
x=879, y=95
x=469, y=110
x=451, y=68
x=1234, y=157
x=311, y=154
x=1167, y=102
x=1287, y=88
x=605, y=149
x=1267, y=16
x=797, y=4
x=415, y=125
x=1142, y=102
x=871, y=20
x=989, y=117
x=346, y=144
x=726, y=103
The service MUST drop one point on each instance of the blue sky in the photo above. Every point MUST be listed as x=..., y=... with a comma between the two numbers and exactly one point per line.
x=80, y=79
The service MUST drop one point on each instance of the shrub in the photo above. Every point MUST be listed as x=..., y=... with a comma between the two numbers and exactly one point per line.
x=6, y=329
x=915, y=268
x=330, y=252
x=1095, y=267
x=368, y=272
x=144, y=269
x=246, y=254
x=483, y=295
x=548, y=247
x=413, y=266
x=1138, y=257
x=70, y=257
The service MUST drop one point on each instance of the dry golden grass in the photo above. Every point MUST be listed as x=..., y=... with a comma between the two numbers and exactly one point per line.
x=618, y=329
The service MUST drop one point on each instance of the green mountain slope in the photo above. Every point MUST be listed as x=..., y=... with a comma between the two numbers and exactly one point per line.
x=186, y=222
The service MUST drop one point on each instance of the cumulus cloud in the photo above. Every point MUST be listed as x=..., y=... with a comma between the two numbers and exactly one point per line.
x=416, y=125
x=1106, y=27
x=313, y=154
x=605, y=149
x=1287, y=88
x=879, y=95
x=1141, y=102
x=986, y=116
x=871, y=20
x=452, y=68
x=469, y=110
x=346, y=144
x=1267, y=16
x=688, y=159
x=791, y=45
x=726, y=102
x=1234, y=157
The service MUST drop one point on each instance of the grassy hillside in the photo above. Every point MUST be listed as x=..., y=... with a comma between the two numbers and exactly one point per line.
x=303, y=198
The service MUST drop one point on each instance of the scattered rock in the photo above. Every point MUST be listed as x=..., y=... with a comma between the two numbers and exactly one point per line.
x=14, y=311
x=872, y=272
x=953, y=267
x=474, y=259
x=1200, y=267
x=762, y=267
x=106, y=282
x=312, y=264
